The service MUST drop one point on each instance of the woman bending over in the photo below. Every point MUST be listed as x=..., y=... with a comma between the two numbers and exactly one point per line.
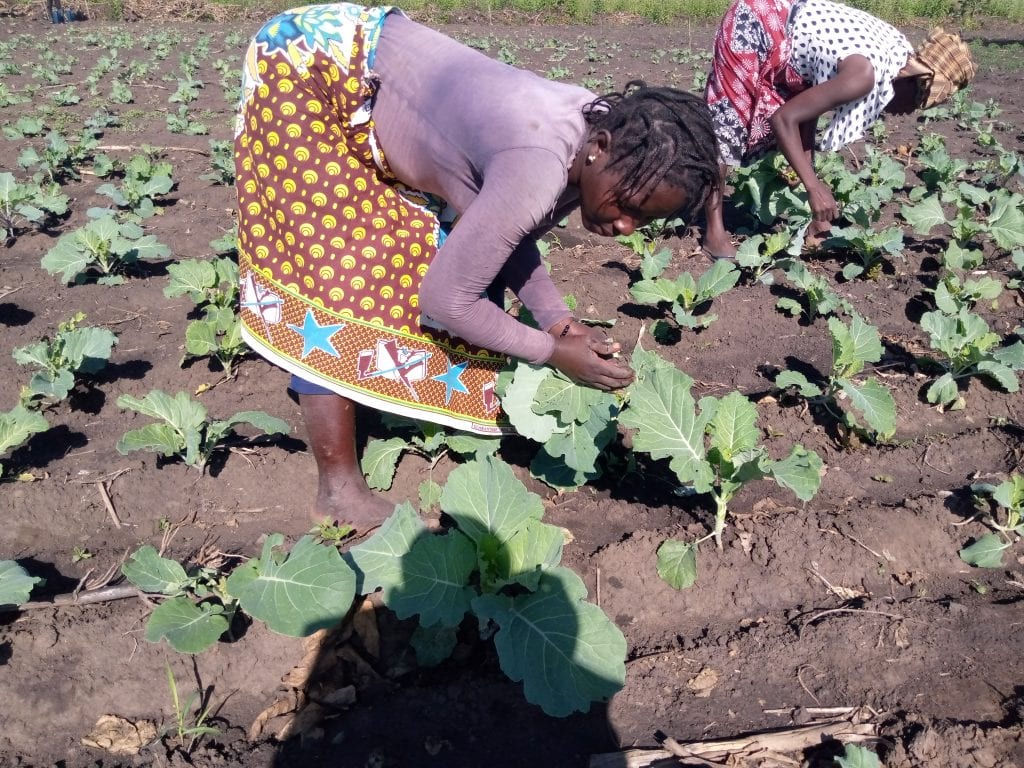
x=779, y=65
x=360, y=137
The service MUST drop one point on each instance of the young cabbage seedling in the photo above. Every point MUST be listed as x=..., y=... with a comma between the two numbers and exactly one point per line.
x=712, y=447
x=18, y=425
x=103, y=247
x=685, y=296
x=987, y=551
x=853, y=345
x=213, y=286
x=968, y=348
x=74, y=351
x=499, y=563
x=183, y=428
x=573, y=423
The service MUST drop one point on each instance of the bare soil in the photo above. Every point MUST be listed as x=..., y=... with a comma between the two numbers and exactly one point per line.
x=856, y=599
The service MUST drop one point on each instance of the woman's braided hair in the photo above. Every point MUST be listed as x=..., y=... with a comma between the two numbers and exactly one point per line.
x=659, y=135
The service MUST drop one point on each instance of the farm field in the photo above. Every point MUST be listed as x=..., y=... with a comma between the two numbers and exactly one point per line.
x=855, y=604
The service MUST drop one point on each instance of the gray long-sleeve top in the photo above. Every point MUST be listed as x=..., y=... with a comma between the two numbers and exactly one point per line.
x=496, y=143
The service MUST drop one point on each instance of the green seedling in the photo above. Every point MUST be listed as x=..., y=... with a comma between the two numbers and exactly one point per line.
x=821, y=300
x=573, y=423
x=764, y=190
x=213, y=286
x=853, y=346
x=18, y=425
x=59, y=161
x=23, y=127
x=685, y=296
x=968, y=348
x=644, y=240
x=857, y=757
x=104, y=248
x=500, y=564
x=712, y=447
x=183, y=429
x=188, y=726
x=72, y=353
x=23, y=206
x=182, y=122
x=760, y=254
x=294, y=593
x=121, y=93
x=1017, y=281
x=145, y=180
x=15, y=584
x=870, y=247
x=222, y=163
x=422, y=438
x=78, y=554
x=330, y=532
x=187, y=91
x=1007, y=521
x=227, y=244
x=7, y=96
x=953, y=293
x=999, y=215
x=65, y=97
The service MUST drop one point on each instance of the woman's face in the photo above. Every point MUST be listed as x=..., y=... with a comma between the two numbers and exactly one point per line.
x=606, y=212
x=906, y=95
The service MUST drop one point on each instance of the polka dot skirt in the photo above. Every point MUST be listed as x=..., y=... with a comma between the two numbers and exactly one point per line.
x=824, y=33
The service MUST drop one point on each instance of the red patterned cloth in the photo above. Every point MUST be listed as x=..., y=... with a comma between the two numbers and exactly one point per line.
x=751, y=76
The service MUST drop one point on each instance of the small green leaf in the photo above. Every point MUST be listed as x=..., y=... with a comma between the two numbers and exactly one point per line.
x=157, y=438
x=517, y=402
x=857, y=757
x=201, y=338
x=150, y=572
x=532, y=549
x=188, y=627
x=663, y=412
x=800, y=472
x=924, y=216
x=986, y=552
x=734, y=426
x=435, y=580
x=677, y=563
x=875, y=402
x=17, y=425
x=380, y=461
x=796, y=379
x=485, y=498
x=15, y=583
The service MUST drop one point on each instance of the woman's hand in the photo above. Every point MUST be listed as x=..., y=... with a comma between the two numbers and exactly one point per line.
x=586, y=357
x=823, y=204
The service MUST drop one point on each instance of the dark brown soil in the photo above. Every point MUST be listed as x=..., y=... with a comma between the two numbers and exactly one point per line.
x=855, y=599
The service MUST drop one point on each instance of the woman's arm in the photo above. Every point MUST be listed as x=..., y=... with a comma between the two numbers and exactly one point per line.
x=855, y=78
x=480, y=247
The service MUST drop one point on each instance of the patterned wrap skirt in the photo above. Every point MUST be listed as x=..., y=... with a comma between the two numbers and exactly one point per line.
x=332, y=247
x=750, y=77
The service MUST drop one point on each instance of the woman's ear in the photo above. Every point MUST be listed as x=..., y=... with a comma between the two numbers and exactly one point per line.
x=598, y=144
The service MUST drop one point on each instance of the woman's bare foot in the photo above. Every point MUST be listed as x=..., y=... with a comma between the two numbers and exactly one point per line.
x=348, y=500
x=718, y=247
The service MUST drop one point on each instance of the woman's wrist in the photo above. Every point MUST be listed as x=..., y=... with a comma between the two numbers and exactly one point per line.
x=562, y=327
